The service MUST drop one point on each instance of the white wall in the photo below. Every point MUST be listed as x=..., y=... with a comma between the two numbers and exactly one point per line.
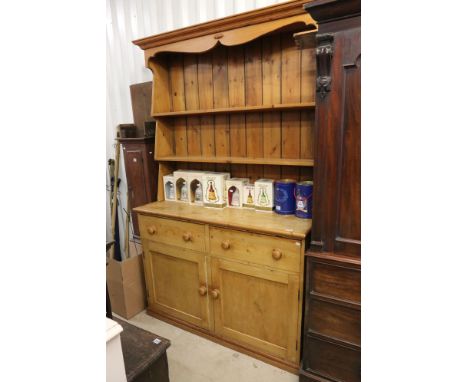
x=128, y=20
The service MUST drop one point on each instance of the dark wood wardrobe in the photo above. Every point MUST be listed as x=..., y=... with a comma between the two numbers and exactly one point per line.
x=332, y=313
x=141, y=172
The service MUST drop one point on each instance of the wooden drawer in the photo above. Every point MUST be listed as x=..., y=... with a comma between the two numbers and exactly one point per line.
x=330, y=360
x=260, y=249
x=335, y=281
x=173, y=232
x=334, y=320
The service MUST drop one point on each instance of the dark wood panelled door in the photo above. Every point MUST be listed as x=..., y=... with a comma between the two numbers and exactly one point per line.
x=332, y=315
x=337, y=196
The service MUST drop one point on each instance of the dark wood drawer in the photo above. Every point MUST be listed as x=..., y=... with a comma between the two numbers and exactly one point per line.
x=330, y=360
x=335, y=281
x=334, y=320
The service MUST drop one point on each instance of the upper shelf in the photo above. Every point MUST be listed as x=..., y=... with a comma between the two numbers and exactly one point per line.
x=240, y=109
x=238, y=160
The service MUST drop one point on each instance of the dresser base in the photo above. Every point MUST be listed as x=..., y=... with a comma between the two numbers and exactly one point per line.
x=284, y=365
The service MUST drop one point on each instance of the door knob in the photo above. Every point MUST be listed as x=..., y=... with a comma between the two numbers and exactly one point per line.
x=276, y=254
x=202, y=290
x=225, y=244
x=187, y=236
x=214, y=293
x=151, y=230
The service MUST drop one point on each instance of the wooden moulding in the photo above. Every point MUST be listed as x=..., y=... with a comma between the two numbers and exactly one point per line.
x=228, y=38
x=230, y=30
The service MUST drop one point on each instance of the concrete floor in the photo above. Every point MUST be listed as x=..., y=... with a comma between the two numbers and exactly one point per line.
x=195, y=359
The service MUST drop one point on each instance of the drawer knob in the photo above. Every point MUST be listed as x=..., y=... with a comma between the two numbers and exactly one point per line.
x=187, y=236
x=225, y=244
x=276, y=254
x=214, y=293
x=151, y=230
x=202, y=290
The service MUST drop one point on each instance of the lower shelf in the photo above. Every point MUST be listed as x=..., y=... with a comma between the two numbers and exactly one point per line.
x=292, y=368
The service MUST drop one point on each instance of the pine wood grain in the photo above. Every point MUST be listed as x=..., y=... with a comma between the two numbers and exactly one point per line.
x=253, y=73
x=205, y=95
x=221, y=100
x=248, y=291
x=238, y=170
x=220, y=78
x=287, y=226
x=307, y=134
x=237, y=137
x=160, y=100
x=194, y=145
x=237, y=98
x=240, y=109
x=236, y=76
x=178, y=296
x=271, y=74
x=223, y=167
x=290, y=92
x=272, y=172
x=207, y=136
x=254, y=172
x=180, y=136
x=192, y=103
x=308, y=75
x=222, y=148
x=238, y=160
x=290, y=172
x=176, y=75
x=253, y=96
x=164, y=138
x=290, y=134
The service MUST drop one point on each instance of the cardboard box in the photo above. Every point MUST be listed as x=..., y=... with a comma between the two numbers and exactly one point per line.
x=264, y=195
x=169, y=187
x=235, y=192
x=126, y=286
x=248, y=196
x=196, y=188
x=214, y=189
x=181, y=179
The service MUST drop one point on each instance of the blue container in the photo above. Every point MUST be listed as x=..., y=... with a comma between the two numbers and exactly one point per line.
x=285, y=201
x=304, y=199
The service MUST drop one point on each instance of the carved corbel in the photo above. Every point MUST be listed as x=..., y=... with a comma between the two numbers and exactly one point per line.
x=324, y=55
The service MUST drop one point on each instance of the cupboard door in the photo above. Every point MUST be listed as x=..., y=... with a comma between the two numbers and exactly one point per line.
x=178, y=286
x=256, y=307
